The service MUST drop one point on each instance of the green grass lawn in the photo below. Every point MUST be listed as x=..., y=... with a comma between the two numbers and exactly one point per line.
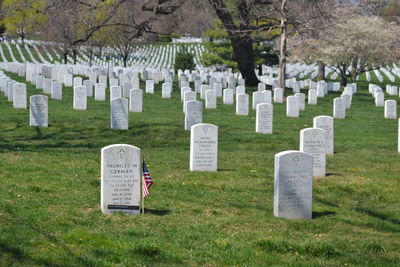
x=50, y=190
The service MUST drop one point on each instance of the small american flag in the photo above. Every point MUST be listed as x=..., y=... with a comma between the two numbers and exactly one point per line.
x=147, y=181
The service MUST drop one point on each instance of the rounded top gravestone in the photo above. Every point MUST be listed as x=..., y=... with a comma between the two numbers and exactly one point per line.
x=120, y=179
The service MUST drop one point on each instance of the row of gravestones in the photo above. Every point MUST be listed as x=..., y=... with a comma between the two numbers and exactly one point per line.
x=121, y=183
x=390, y=106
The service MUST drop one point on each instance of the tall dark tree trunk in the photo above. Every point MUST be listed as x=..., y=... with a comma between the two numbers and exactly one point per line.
x=74, y=55
x=125, y=60
x=282, y=59
x=283, y=47
x=90, y=52
x=321, y=71
x=65, y=58
x=244, y=56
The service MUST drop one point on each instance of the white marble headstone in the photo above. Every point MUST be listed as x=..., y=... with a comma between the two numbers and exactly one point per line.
x=264, y=118
x=326, y=123
x=119, y=114
x=292, y=107
x=390, y=109
x=204, y=147
x=242, y=104
x=100, y=91
x=19, y=96
x=312, y=141
x=293, y=185
x=80, y=98
x=136, y=100
x=39, y=109
x=193, y=114
x=120, y=179
x=228, y=96
x=56, y=90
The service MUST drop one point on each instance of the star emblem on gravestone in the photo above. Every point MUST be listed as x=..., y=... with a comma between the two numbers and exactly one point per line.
x=121, y=153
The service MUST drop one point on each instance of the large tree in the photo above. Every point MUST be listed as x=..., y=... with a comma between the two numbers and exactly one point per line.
x=240, y=19
x=23, y=17
x=352, y=49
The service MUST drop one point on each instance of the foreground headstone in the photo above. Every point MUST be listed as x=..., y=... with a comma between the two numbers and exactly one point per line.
x=326, y=123
x=38, y=111
x=193, y=114
x=293, y=185
x=264, y=118
x=119, y=114
x=19, y=96
x=204, y=147
x=80, y=98
x=120, y=179
x=312, y=141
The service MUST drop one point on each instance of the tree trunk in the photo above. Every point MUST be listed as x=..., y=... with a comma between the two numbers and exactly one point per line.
x=65, y=58
x=74, y=55
x=321, y=71
x=23, y=39
x=282, y=58
x=125, y=60
x=244, y=56
x=91, y=53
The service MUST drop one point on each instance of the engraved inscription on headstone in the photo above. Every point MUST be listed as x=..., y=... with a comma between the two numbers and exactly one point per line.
x=120, y=179
x=293, y=185
x=38, y=111
x=204, y=147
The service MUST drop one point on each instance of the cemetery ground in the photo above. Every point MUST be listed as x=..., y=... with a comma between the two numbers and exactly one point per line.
x=50, y=189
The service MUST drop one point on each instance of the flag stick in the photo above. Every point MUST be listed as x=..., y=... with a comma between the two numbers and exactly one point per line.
x=142, y=202
x=141, y=189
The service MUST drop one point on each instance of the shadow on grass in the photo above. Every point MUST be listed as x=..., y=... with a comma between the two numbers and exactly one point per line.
x=325, y=202
x=317, y=214
x=378, y=215
x=332, y=174
x=226, y=170
x=17, y=255
x=156, y=212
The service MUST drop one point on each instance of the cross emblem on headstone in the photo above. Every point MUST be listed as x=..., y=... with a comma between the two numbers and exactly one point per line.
x=296, y=160
x=121, y=153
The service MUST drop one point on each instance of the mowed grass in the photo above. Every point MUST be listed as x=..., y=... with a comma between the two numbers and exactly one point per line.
x=50, y=190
